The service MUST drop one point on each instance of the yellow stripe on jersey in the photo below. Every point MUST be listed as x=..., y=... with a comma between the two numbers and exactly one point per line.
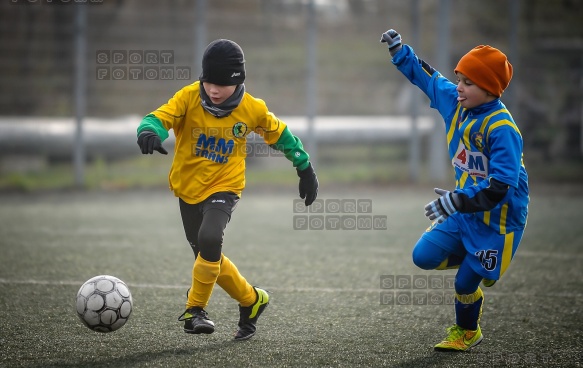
x=507, y=252
x=463, y=179
x=499, y=124
x=428, y=70
x=466, y=136
x=487, y=217
x=452, y=125
x=503, y=213
x=484, y=123
x=487, y=119
x=466, y=140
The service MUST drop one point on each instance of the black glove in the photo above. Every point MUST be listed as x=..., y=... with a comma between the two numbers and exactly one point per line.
x=393, y=40
x=150, y=141
x=308, y=184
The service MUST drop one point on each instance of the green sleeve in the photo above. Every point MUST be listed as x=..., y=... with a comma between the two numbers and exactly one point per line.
x=151, y=122
x=292, y=148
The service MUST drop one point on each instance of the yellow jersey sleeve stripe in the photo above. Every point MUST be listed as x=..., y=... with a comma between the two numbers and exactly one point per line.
x=499, y=124
x=427, y=71
x=487, y=119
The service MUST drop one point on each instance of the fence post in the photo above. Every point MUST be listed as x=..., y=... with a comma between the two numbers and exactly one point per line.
x=311, y=83
x=80, y=92
x=414, y=155
x=437, y=158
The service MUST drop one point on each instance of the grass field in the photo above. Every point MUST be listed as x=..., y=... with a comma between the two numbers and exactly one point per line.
x=327, y=306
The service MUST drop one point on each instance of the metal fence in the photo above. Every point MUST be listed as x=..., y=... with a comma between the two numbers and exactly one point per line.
x=304, y=57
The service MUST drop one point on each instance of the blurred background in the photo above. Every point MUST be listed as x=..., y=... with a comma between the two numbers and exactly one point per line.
x=76, y=78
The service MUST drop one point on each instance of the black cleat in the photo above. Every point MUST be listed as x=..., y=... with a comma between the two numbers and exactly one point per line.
x=249, y=315
x=196, y=321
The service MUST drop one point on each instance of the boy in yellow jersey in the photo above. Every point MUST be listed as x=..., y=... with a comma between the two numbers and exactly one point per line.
x=211, y=120
x=477, y=227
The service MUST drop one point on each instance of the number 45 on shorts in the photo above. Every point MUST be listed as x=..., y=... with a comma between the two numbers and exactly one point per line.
x=488, y=258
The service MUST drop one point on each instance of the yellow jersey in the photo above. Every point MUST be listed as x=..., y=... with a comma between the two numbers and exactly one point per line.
x=210, y=152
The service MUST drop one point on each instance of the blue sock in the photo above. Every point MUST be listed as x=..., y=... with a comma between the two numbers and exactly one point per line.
x=468, y=309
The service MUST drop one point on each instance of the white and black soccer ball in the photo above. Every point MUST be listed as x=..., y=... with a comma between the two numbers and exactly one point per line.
x=104, y=303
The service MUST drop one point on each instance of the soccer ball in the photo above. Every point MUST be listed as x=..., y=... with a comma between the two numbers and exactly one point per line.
x=104, y=303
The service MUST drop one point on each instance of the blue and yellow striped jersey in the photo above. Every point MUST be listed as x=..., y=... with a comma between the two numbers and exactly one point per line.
x=483, y=143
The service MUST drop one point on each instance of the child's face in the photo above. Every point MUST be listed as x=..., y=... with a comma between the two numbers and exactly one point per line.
x=218, y=94
x=469, y=94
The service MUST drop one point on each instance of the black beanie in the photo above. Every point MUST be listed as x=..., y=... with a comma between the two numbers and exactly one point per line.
x=223, y=63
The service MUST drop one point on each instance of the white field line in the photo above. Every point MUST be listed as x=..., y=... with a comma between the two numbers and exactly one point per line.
x=492, y=292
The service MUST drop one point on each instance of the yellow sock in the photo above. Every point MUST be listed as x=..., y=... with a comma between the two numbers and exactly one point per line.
x=235, y=284
x=204, y=277
x=470, y=298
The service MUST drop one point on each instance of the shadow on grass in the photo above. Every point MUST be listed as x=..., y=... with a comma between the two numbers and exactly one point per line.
x=435, y=359
x=144, y=358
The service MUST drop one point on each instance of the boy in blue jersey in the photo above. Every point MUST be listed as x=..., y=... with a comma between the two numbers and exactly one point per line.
x=476, y=227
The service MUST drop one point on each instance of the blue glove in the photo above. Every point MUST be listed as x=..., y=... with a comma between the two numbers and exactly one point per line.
x=393, y=40
x=443, y=207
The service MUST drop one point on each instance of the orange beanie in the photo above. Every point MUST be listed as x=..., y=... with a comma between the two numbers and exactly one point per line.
x=487, y=67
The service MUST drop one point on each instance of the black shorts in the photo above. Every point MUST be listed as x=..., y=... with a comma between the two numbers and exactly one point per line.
x=204, y=228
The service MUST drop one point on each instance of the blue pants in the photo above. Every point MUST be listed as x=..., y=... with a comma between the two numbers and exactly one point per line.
x=428, y=256
x=466, y=241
